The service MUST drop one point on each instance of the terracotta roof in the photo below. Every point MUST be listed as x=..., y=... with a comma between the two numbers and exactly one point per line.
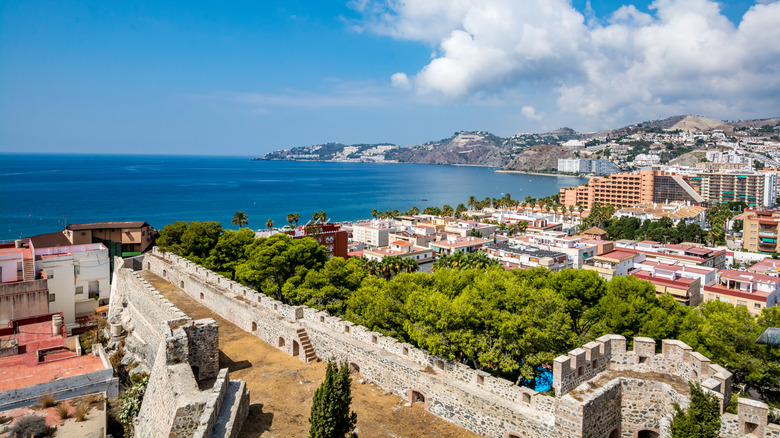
x=618, y=255
x=595, y=230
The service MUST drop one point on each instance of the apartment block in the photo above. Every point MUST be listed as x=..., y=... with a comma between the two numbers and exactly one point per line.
x=760, y=230
x=402, y=249
x=627, y=189
x=453, y=244
x=577, y=249
x=614, y=263
x=585, y=165
x=753, y=188
x=374, y=233
x=518, y=256
x=740, y=288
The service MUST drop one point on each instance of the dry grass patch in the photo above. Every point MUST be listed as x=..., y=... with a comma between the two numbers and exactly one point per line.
x=63, y=410
x=81, y=411
x=47, y=400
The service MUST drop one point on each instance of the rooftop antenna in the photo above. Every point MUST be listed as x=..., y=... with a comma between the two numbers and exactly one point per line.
x=65, y=220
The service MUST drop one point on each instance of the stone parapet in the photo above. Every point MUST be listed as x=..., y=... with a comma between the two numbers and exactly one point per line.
x=602, y=389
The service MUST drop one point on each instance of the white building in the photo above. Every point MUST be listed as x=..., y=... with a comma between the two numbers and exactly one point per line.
x=77, y=277
x=584, y=165
x=374, y=233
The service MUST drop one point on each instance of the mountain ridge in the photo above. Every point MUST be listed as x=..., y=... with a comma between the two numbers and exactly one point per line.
x=522, y=151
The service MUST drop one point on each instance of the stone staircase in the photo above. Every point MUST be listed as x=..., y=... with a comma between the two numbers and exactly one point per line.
x=29, y=269
x=305, y=342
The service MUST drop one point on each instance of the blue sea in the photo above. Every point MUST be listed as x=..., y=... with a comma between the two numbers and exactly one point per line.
x=40, y=193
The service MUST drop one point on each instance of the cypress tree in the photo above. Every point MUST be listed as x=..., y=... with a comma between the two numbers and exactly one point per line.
x=330, y=411
x=701, y=420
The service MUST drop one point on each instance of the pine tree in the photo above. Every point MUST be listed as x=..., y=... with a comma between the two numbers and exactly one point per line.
x=701, y=420
x=330, y=414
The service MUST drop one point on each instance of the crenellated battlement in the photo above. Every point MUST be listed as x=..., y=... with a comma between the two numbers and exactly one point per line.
x=609, y=353
x=601, y=387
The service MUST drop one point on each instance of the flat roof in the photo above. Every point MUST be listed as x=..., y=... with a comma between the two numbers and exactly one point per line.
x=732, y=274
x=618, y=255
x=112, y=224
x=24, y=370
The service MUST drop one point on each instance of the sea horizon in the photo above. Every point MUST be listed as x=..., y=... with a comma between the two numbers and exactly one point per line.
x=43, y=192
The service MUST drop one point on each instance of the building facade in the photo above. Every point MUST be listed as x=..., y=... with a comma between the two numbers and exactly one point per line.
x=760, y=230
x=755, y=189
x=627, y=189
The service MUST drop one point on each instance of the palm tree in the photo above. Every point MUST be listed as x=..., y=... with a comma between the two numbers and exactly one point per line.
x=296, y=218
x=240, y=219
x=269, y=224
x=414, y=210
x=522, y=226
x=290, y=218
x=472, y=202
x=374, y=213
x=410, y=265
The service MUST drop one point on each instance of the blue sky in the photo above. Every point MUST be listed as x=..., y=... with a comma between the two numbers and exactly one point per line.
x=244, y=78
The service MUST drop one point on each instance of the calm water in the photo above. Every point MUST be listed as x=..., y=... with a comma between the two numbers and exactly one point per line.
x=39, y=192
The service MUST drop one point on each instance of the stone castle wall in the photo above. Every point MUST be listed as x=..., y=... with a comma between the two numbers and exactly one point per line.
x=622, y=403
x=185, y=353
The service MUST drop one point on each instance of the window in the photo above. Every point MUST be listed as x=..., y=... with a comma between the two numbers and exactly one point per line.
x=757, y=305
x=51, y=298
x=77, y=269
x=79, y=290
x=94, y=288
x=49, y=274
x=741, y=303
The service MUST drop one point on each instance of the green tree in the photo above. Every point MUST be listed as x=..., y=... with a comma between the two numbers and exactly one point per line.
x=374, y=213
x=327, y=288
x=198, y=240
x=169, y=239
x=726, y=334
x=271, y=261
x=701, y=419
x=290, y=218
x=330, y=410
x=581, y=291
x=296, y=217
x=269, y=224
x=230, y=251
x=239, y=218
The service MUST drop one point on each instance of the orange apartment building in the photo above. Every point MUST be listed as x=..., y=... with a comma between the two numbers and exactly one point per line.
x=760, y=230
x=626, y=189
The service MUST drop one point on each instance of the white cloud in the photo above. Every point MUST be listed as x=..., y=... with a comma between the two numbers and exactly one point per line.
x=530, y=112
x=400, y=80
x=683, y=56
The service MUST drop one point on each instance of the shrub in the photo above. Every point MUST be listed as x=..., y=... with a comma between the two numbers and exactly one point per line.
x=63, y=410
x=47, y=400
x=131, y=402
x=116, y=358
x=31, y=426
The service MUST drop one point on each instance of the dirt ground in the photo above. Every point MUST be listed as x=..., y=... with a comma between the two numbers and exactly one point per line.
x=281, y=386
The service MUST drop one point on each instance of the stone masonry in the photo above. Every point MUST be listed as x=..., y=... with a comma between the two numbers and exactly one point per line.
x=182, y=357
x=601, y=389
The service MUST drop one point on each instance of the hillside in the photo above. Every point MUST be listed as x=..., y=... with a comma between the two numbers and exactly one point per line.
x=541, y=157
x=524, y=151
